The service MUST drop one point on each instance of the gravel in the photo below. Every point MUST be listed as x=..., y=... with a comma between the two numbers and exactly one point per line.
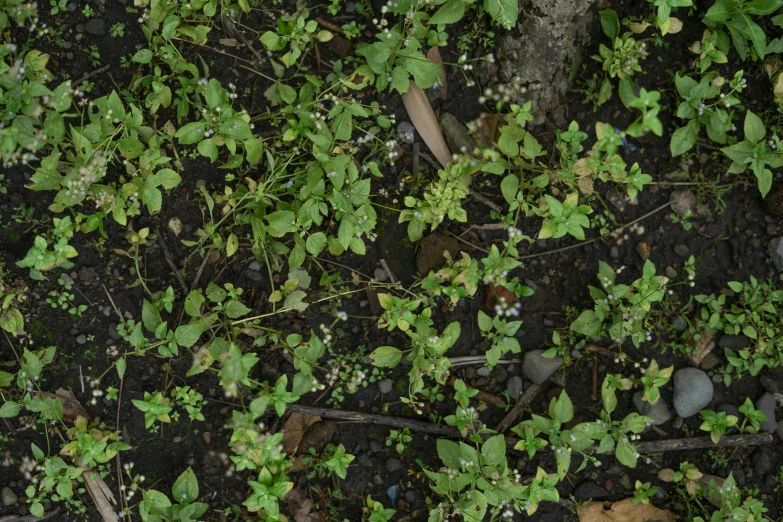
x=658, y=412
x=81, y=339
x=775, y=251
x=407, y=132
x=96, y=27
x=692, y=391
x=537, y=368
x=514, y=386
x=380, y=274
x=385, y=386
x=483, y=371
x=766, y=403
x=8, y=496
x=393, y=465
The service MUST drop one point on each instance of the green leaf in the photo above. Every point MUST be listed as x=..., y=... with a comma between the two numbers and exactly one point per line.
x=120, y=365
x=11, y=321
x=150, y=316
x=504, y=12
x=610, y=24
x=386, y=357
x=315, y=243
x=9, y=409
x=185, y=489
x=494, y=450
x=208, y=149
x=142, y=56
x=450, y=12
x=235, y=308
x=509, y=187
x=754, y=128
x=450, y=453
x=684, y=138
x=188, y=334
x=587, y=324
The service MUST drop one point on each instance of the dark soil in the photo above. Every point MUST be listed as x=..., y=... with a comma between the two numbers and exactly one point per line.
x=729, y=244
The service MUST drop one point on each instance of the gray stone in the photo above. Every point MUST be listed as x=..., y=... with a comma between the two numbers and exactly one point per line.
x=537, y=368
x=407, y=132
x=679, y=324
x=729, y=409
x=410, y=495
x=658, y=412
x=682, y=200
x=766, y=404
x=385, y=386
x=72, y=6
x=81, y=339
x=113, y=332
x=377, y=480
x=456, y=135
x=734, y=342
x=670, y=272
x=255, y=265
x=537, y=55
x=681, y=250
x=590, y=491
x=483, y=372
x=775, y=251
x=762, y=464
x=66, y=278
x=514, y=387
x=8, y=496
x=692, y=391
x=393, y=465
x=380, y=274
x=614, y=252
x=96, y=27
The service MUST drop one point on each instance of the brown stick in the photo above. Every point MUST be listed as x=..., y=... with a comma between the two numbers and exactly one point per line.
x=330, y=25
x=482, y=395
x=745, y=439
x=383, y=420
x=29, y=518
x=89, y=75
x=516, y=412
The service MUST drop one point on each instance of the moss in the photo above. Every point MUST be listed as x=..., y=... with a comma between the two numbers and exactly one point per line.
x=11, y=235
x=39, y=331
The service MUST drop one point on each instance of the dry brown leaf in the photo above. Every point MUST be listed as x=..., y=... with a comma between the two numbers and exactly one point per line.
x=229, y=42
x=488, y=128
x=294, y=429
x=423, y=118
x=704, y=346
x=623, y=511
x=101, y=495
x=433, y=55
x=71, y=407
x=301, y=506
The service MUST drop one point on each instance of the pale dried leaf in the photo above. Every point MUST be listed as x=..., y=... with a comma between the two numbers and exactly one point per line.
x=423, y=118
x=101, y=495
x=433, y=55
x=675, y=25
x=229, y=42
x=623, y=511
x=301, y=506
x=666, y=474
x=175, y=225
x=294, y=429
x=703, y=347
x=72, y=408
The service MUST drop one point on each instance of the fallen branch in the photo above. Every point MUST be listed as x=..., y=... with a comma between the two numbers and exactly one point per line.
x=89, y=75
x=745, y=439
x=469, y=360
x=29, y=518
x=330, y=25
x=383, y=420
x=516, y=412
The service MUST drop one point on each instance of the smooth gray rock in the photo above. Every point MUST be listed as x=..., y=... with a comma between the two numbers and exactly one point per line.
x=456, y=135
x=393, y=465
x=483, y=372
x=8, y=496
x=96, y=27
x=537, y=368
x=514, y=387
x=766, y=403
x=692, y=391
x=81, y=339
x=658, y=412
x=775, y=251
x=385, y=386
x=681, y=250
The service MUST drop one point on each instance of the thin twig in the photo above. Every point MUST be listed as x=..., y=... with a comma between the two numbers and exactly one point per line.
x=330, y=25
x=742, y=439
x=469, y=360
x=388, y=271
x=516, y=412
x=30, y=518
x=583, y=243
x=468, y=243
x=170, y=261
x=487, y=202
x=89, y=75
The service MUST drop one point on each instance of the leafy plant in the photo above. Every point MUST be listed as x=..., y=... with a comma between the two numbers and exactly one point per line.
x=756, y=153
x=734, y=16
